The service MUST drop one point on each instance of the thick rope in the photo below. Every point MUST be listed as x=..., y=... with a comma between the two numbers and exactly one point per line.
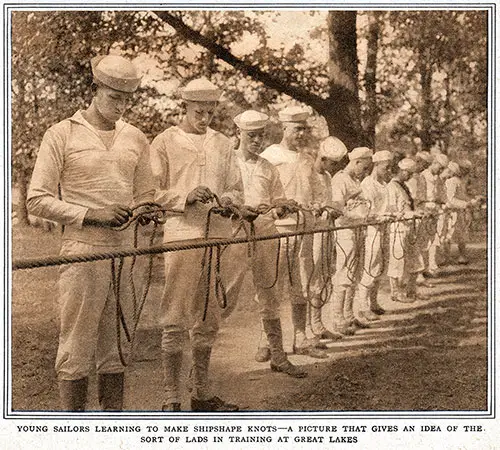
x=137, y=306
x=229, y=211
x=31, y=263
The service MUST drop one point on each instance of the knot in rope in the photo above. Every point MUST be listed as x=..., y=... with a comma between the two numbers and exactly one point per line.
x=145, y=212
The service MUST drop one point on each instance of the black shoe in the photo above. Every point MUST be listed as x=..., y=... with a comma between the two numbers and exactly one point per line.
x=288, y=368
x=404, y=299
x=330, y=335
x=355, y=323
x=214, y=404
x=368, y=315
x=311, y=351
x=378, y=310
x=171, y=407
x=345, y=329
x=431, y=274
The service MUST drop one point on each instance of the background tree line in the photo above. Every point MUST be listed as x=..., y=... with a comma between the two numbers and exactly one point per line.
x=403, y=80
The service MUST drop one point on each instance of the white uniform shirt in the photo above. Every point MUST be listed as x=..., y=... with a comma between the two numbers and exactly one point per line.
x=345, y=191
x=261, y=181
x=322, y=188
x=432, y=187
x=74, y=158
x=180, y=165
x=376, y=193
x=295, y=170
x=344, y=188
x=398, y=200
x=456, y=193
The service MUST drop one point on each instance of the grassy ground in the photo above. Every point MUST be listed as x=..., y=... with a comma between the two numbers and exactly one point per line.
x=431, y=355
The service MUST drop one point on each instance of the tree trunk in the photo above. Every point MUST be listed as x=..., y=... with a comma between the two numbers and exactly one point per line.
x=22, y=210
x=426, y=101
x=342, y=111
x=371, y=115
x=447, y=115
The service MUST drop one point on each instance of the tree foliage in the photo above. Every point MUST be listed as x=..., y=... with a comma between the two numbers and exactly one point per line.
x=433, y=77
x=420, y=78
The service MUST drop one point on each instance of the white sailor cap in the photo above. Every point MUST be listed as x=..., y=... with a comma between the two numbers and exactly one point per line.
x=382, y=155
x=465, y=163
x=293, y=114
x=360, y=152
x=442, y=160
x=407, y=164
x=201, y=90
x=333, y=148
x=454, y=168
x=425, y=156
x=251, y=120
x=115, y=72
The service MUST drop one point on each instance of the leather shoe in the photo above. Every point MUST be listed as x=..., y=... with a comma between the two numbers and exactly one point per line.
x=314, y=342
x=355, y=323
x=378, y=310
x=368, y=315
x=345, y=329
x=431, y=274
x=263, y=354
x=288, y=368
x=213, y=404
x=172, y=407
x=311, y=351
x=330, y=335
x=405, y=299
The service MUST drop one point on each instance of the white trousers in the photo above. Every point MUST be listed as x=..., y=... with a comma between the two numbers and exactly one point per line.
x=88, y=317
x=261, y=261
x=348, y=259
x=376, y=249
x=404, y=252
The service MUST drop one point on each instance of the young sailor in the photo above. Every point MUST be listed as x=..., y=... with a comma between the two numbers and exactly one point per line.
x=374, y=189
x=295, y=167
x=193, y=163
x=405, y=260
x=347, y=197
x=262, y=188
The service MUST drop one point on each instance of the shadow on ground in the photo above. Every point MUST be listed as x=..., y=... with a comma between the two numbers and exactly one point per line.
x=426, y=356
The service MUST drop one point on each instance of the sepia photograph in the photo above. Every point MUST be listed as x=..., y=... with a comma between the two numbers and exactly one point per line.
x=248, y=211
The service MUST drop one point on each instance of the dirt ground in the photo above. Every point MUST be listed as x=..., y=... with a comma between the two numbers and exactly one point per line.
x=427, y=356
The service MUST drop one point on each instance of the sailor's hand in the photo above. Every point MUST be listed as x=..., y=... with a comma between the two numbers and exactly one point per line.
x=111, y=216
x=280, y=211
x=226, y=202
x=199, y=194
x=248, y=213
x=317, y=209
x=147, y=215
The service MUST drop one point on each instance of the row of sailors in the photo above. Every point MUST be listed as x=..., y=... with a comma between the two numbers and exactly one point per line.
x=93, y=166
x=425, y=182
x=361, y=259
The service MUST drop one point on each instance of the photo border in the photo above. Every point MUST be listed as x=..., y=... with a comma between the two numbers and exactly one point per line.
x=490, y=413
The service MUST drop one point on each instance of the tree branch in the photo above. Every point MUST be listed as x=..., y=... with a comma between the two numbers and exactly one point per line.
x=246, y=68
